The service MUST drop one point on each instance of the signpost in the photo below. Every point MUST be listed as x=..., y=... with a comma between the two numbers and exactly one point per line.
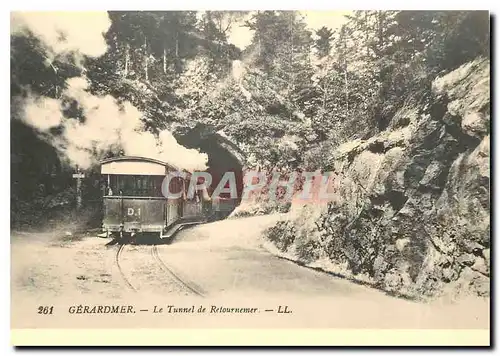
x=78, y=176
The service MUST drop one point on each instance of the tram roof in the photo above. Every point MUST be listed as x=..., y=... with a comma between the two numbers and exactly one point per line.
x=138, y=159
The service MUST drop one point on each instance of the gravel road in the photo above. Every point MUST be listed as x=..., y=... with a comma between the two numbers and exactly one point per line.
x=218, y=265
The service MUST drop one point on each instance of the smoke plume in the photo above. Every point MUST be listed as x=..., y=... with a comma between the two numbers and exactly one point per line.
x=104, y=124
x=74, y=33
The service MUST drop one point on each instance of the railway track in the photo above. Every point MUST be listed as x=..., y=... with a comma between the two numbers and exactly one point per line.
x=165, y=269
x=124, y=276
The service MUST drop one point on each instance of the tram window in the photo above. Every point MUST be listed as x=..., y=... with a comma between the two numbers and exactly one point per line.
x=175, y=186
x=135, y=185
x=191, y=194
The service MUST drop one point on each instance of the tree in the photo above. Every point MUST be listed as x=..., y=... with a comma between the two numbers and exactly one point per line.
x=323, y=43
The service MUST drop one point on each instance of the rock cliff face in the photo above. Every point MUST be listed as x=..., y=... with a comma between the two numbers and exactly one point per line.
x=412, y=207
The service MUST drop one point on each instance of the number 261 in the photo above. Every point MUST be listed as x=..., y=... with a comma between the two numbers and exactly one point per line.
x=45, y=310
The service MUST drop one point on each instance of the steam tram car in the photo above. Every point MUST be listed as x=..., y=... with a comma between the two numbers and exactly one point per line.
x=134, y=203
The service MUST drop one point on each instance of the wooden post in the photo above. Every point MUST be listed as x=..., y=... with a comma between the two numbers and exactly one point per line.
x=78, y=176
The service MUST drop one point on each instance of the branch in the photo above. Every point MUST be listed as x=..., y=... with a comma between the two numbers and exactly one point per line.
x=230, y=22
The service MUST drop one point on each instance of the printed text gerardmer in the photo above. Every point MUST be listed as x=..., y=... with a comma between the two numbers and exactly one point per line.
x=129, y=309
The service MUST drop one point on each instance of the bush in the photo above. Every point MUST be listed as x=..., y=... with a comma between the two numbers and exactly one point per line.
x=282, y=234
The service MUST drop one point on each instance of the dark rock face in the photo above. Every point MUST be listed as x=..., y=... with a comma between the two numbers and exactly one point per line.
x=412, y=212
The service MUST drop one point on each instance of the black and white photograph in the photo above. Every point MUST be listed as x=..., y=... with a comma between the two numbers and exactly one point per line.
x=250, y=171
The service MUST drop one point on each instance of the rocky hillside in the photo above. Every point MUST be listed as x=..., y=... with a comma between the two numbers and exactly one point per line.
x=412, y=208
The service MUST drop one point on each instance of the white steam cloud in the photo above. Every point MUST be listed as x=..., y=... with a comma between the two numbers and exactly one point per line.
x=77, y=33
x=106, y=124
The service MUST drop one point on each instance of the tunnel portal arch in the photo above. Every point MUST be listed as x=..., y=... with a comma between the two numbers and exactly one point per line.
x=223, y=155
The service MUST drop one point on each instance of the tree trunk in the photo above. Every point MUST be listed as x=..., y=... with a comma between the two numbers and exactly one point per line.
x=325, y=95
x=146, y=58
x=164, y=59
x=292, y=78
x=366, y=35
x=378, y=110
x=345, y=77
x=177, y=45
x=127, y=60
x=346, y=91
x=380, y=32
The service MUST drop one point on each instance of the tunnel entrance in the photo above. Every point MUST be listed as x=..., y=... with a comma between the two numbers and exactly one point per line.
x=223, y=156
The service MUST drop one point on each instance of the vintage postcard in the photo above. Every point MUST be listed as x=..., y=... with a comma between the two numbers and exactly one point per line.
x=250, y=178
